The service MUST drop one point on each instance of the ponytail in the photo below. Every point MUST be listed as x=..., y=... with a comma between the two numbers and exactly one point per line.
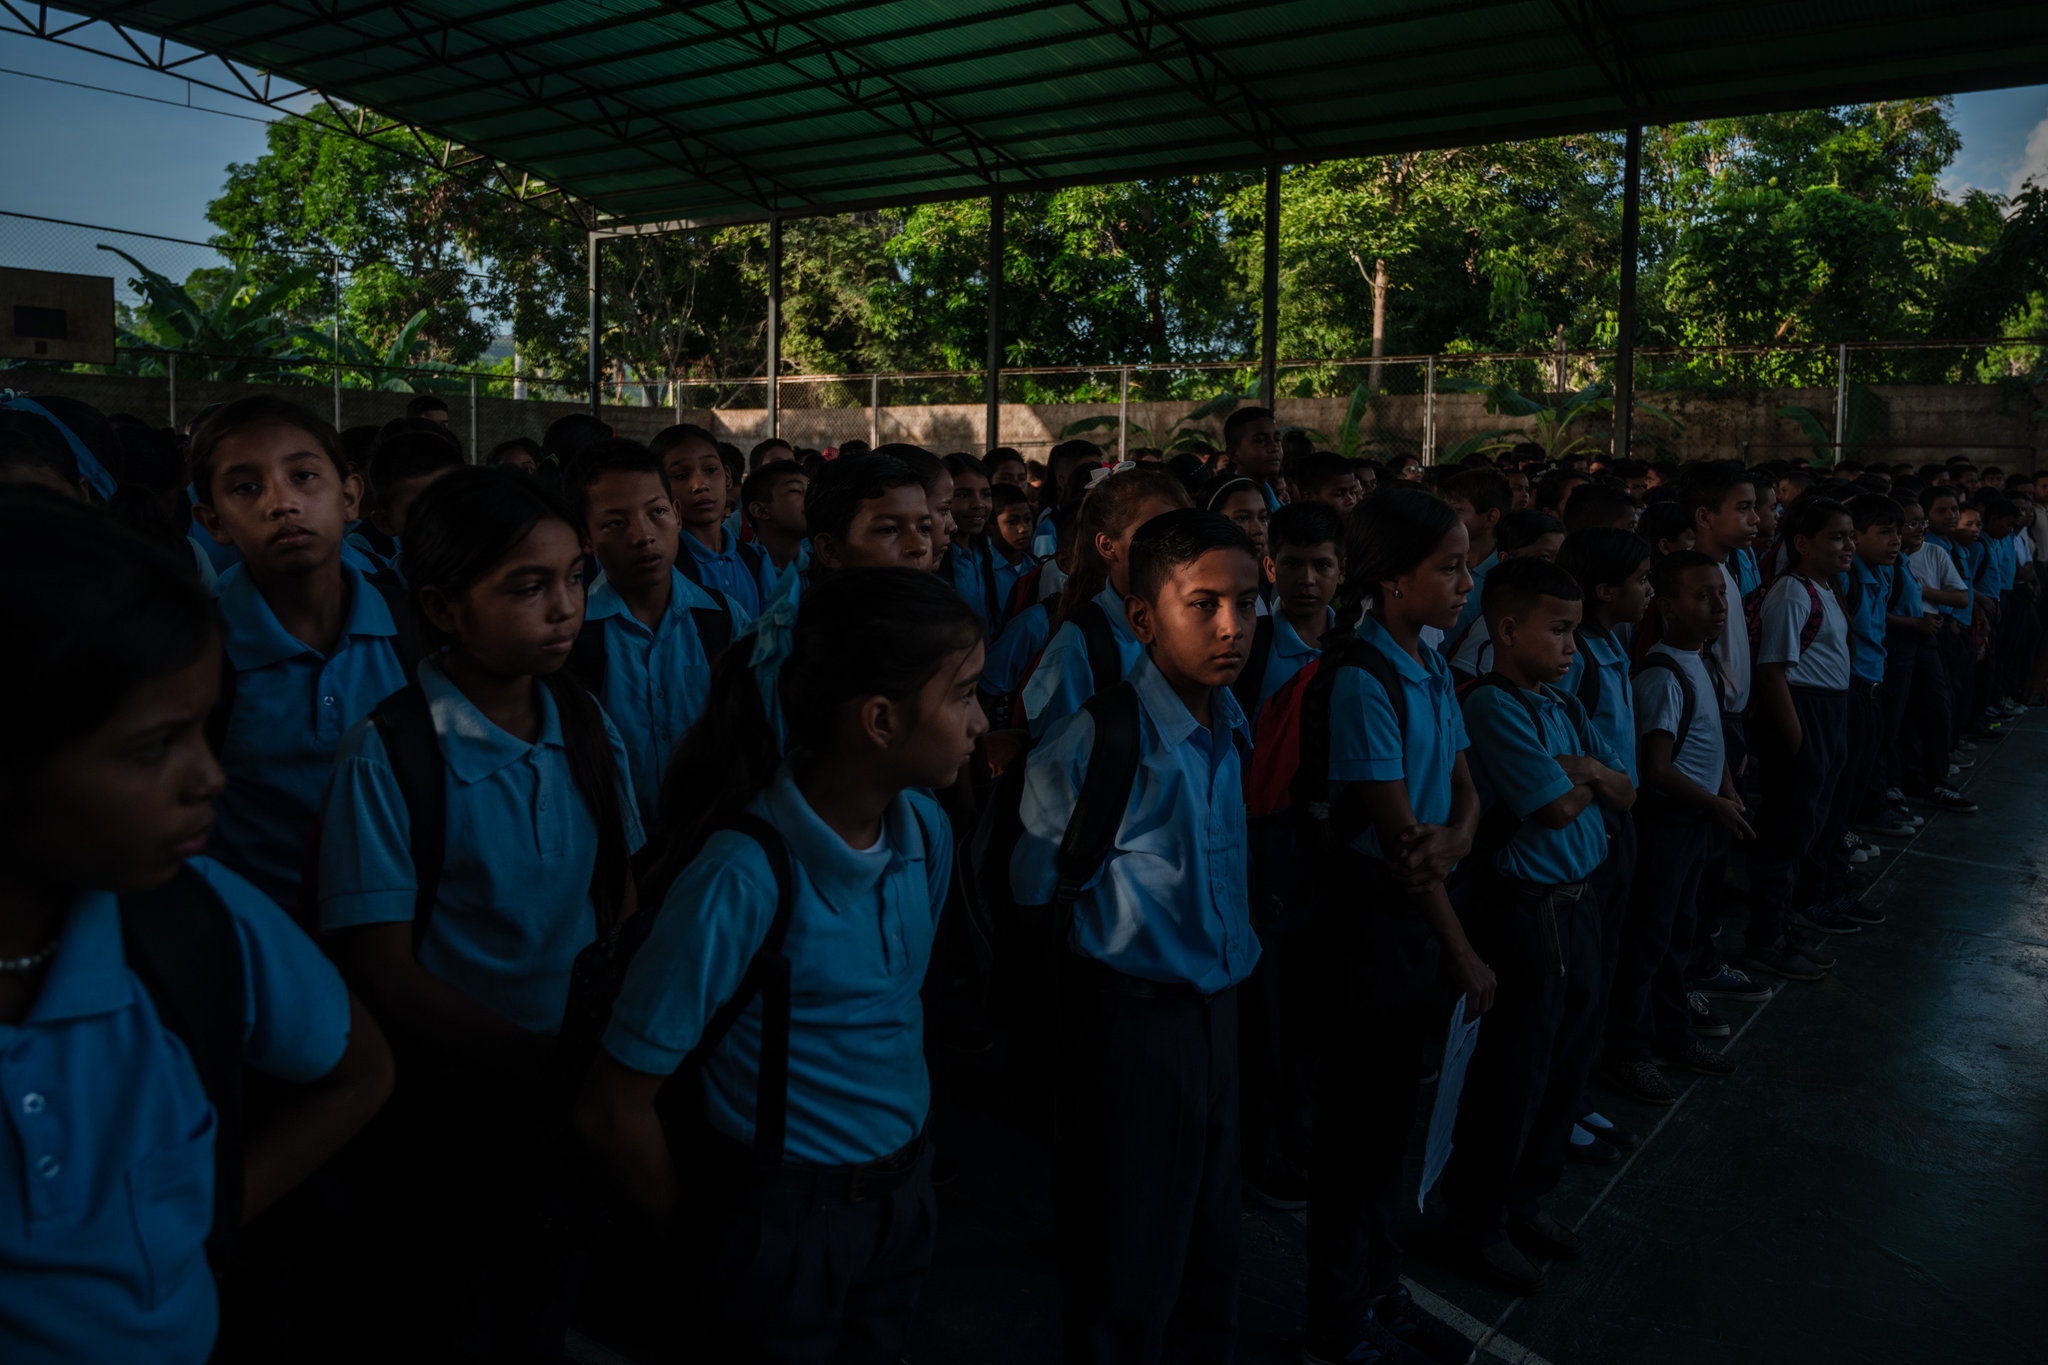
x=1108, y=510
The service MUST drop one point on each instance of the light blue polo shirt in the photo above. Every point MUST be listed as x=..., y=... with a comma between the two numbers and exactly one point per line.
x=1045, y=536
x=1290, y=654
x=1021, y=641
x=1009, y=575
x=1911, y=604
x=732, y=572
x=365, y=556
x=1747, y=576
x=860, y=936
x=292, y=706
x=1063, y=681
x=106, y=1150
x=1867, y=625
x=1514, y=761
x=1469, y=613
x=2001, y=563
x=1366, y=747
x=513, y=907
x=1965, y=566
x=655, y=681
x=1170, y=902
x=969, y=571
x=1614, y=719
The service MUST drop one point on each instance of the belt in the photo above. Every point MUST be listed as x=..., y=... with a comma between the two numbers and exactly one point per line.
x=839, y=1184
x=1104, y=977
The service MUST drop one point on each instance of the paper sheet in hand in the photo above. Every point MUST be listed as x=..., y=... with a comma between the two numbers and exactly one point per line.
x=1444, y=1117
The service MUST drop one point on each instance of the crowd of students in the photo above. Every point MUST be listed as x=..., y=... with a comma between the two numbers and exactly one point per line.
x=519, y=881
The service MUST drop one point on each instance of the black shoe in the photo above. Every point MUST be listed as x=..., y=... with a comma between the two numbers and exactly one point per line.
x=1541, y=1235
x=1780, y=960
x=1419, y=1329
x=1949, y=799
x=1811, y=949
x=1279, y=1189
x=1697, y=1056
x=1853, y=908
x=1593, y=1151
x=1729, y=984
x=1607, y=1130
x=1639, y=1081
x=1705, y=1023
x=1498, y=1265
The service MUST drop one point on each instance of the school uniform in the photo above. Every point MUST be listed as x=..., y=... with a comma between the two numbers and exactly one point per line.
x=809, y=1259
x=1902, y=651
x=1530, y=921
x=1003, y=667
x=1960, y=645
x=655, y=680
x=1470, y=652
x=1677, y=845
x=1148, y=1155
x=1063, y=680
x=969, y=568
x=1728, y=659
x=1928, y=736
x=1009, y=573
x=371, y=550
x=1378, y=999
x=1045, y=536
x=108, y=1151
x=1799, y=788
x=2018, y=621
x=1603, y=661
x=1867, y=588
x=1290, y=653
x=291, y=707
x=1470, y=613
x=744, y=575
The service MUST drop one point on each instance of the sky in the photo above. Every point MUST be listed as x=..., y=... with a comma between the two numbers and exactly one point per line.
x=121, y=162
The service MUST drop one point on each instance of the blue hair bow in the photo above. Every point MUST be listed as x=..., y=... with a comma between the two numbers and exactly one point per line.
x=774, y=635
x=89, y=466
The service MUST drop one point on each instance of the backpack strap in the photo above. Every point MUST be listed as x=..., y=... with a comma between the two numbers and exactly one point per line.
x=714, y=626
x=410, y=643
x=589, y=660
x=686, y=561
x=180, y=942
x=223, y=712
x=752, y=555
x=1815, y=615
x=1251, y=679
x=1687, y=702
x=1105, y=664
x=407, y=728
x=1024, y=592
x=1104, y=797
x=594, y=768
x=1311, y=790
x=768, y=976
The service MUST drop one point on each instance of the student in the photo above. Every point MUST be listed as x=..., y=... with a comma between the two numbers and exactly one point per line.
x=772, y=451
x=869, y=512
x=1612, y=569
x=1251, y=443
x=1010, y=536
x=1244, y=503
x=120, y=1150
x=773, y=497
x=1006, y=466
x=1926, y=736
x=1403, y=814
x=429, y=407
x=519, y=454
x=1553, y=492
x=641, y=652
x=570, y=432
x=2008, y=580
x=1973, y=561
x=1802, y=702
x=1688, y=805
x=1602, y=504
x=1666, y=523
x=829, y=1229
x=1481, y=497
x=937, y=480
x=33, y=451
x=1544, y=775
x=1520, y=535
x=402, y=463
x=970, y=560
x=1092, y=619
x=464, y=952
x=1305, y=564
x=1157, y=941
x=1012, y=659
x=701, y=482
x=1060, y=466
x=312, y=645
x=1867, y=592
x=1327, y=477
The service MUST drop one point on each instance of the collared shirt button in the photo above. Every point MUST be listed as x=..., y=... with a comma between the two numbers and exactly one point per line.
x=543, y=803
x=49, y=1167
x=32, y=1103
x=327, y=701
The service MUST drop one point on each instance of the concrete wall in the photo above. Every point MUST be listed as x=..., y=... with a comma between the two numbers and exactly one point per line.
x=1990, y=423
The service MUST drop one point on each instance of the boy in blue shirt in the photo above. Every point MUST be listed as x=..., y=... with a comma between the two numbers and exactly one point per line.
x=773, y=498
x=1544, y=775
x=701, y=484
x=1159, y=940
x=403, y=462
x=312, y=644
x=1866, y=591
x=640, y=651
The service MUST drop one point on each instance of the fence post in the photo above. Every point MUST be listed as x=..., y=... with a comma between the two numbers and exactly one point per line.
x=1269, y=295
x=874, y=410
x=1841, y=398
x=595, y=329
x=774, y=325
x=995, y=322
x=472, y=419
x=337, y=343
x=1429, y=410
x=171, y=370
x=1123, y=414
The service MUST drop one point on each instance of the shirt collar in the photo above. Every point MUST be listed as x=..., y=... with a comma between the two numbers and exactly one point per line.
x=473, y=745
x=683, y=596
x=705, y=552
x=1287, y=641
x=843, y=877
x=1112, y=603
x=1426, y=671
x=90, y=975
x=254, y=639
x=1170, y=715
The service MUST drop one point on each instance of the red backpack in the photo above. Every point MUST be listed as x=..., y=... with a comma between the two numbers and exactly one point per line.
x=1290, y=767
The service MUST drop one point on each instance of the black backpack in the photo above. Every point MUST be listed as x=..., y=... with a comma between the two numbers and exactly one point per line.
x=180, y=941
x=1251, y=679
x=1687, y=702
x=1317, y=817
x=588, y=660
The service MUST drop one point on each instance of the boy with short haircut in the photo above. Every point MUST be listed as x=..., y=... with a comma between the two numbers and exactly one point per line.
x=773, y=498
x=1010, y=526
x=1251, y=442
x=868, y=513
x=1602, y=504
x=310, y=644
x=970, y=561
x=402, y=463
x=1520, y=535
x=1325, y=476
x=1874, y=594
x=1305, y=563
x=1543, y=774
x=774, y=450
x=1160, y=938
x=701, y=483
x=643, y=650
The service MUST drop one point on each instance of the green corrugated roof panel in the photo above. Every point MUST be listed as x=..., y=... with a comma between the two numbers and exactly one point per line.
x=734, y=109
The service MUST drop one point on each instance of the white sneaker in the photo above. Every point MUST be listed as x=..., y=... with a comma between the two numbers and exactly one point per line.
x=2011, y=707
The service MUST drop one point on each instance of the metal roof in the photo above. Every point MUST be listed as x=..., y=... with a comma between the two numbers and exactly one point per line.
x=730, y=110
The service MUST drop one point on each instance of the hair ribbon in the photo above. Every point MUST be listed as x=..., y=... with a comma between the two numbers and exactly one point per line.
x=1102, y=472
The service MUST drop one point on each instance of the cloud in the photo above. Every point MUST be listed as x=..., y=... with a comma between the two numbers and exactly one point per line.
x=2033, y=161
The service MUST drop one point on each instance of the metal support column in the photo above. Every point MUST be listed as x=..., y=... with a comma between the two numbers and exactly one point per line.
x=874, y=411
x=1123, y=414
x=1841, y=400
x=1625, y=328
x=1269, y=295
x=995, y=320
x=171, y=372
x=596, y=330
x=1429, y=410
x=472, y=419
x=774, y=325
x=337, y=343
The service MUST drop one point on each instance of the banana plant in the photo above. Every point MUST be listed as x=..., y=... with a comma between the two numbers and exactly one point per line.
x=1188, y=431
x=391, y=370
x=1552, y=422
x=242, y=332
x=1865, y=419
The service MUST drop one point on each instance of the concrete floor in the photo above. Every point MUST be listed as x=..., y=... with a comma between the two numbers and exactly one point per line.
x=1871, y=1184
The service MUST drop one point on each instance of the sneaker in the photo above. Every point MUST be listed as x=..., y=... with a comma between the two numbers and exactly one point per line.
x=1853, y=909
x=1730, y=984
x=1949, y=799
x=1854, y=849
x=1955, y=772
x=1588, y=1150
x=1609, y=1131
x=1895, y=801
x=1887, y=824
x=1639, y=1081
x=2011, y=708
x=1780, y=960
x=1809, y=947
x=1966, y=745
x=1369, y=1344
x=1419, y=1329
x=1960, y=760
x=1280, y=1189
x=1697, y=1056
x=1825, y=919
x=1705, y=1023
